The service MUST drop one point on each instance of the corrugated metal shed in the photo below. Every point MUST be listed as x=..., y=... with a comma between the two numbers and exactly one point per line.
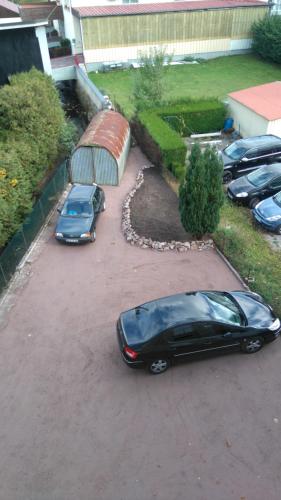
x=101, y=153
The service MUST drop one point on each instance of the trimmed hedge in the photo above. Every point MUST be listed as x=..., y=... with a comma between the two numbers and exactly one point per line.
x=159, y=130
x=197, y=117
x=173, y=149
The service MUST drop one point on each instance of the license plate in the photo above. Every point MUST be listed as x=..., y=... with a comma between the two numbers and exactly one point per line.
x=71, y=240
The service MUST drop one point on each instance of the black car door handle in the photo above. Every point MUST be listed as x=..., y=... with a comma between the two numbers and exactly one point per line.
x=228, y=334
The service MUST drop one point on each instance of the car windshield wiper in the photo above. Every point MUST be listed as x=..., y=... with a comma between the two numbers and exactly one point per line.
x=141, y=307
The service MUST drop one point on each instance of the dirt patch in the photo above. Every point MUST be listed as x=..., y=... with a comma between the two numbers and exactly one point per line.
x=154, y=210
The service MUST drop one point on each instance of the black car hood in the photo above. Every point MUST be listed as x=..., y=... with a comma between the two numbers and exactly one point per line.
x=241, y=185
x=226, y=160
x=73, y=226
x=258, y=314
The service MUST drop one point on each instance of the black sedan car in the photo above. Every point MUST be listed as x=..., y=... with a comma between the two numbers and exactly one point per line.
x=246, y=155
x=156, y=333
x=251, y=189
x=77, y=220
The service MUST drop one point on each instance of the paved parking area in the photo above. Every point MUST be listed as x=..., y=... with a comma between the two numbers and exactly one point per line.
x=77, y=424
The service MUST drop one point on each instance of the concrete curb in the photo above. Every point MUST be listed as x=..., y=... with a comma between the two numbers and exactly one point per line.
x=232, y=269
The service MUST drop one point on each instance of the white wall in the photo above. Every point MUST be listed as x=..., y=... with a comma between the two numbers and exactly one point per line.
x=223, y=45
x=78, y=37
x=246, y=121
x=274, y=127
x=42, y=39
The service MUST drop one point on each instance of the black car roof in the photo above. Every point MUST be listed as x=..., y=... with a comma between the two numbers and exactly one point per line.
x=259, y=141
x=158, y=315
x=81, y=192
x=273, y=168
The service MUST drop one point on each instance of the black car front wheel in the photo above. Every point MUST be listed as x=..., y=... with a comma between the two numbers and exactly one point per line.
x=93, y=236
x=250, y=346
x=227, y=177
x=158, y=366
x=253, y=202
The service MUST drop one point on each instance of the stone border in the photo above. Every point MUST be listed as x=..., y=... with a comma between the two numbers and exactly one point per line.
x=134, y=239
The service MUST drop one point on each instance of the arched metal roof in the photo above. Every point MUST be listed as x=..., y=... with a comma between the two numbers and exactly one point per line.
x=109, y=130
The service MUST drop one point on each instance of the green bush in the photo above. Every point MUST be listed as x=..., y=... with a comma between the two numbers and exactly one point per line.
x=34, y=125
x=266, y=38
x=165, y=125
x=173, y=149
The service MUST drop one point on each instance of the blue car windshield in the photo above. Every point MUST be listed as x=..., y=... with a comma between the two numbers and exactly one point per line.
x=235, y=151
x=277, y=198
x=260, y=177
x=77, y=209
x=223, y=308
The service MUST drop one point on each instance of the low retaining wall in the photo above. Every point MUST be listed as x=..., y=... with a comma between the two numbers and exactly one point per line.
x=162, y=246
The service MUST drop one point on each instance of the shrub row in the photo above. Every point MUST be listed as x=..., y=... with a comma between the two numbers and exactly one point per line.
x=159, y=130
x=197, y=117
x=33, y=128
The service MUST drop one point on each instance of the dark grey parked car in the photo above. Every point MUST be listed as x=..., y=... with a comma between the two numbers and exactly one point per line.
x=77, y=220
x=245, y=155
x=251, y=189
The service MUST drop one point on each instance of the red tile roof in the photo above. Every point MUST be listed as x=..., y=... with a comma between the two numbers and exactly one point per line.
x=265, y=100
x=153, y=8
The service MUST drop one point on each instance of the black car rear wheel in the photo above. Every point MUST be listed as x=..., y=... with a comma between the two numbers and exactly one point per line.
x=253, y=202
x=227, y=177
x=250, y=346
x=158, y=366
x=278, y=230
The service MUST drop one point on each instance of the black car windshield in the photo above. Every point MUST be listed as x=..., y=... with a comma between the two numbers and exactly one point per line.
x=235, y=151
x=260, y=177
x=277, y=198
x=77, y=209
x=223, y=308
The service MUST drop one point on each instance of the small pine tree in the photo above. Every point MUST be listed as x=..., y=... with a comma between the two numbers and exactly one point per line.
x=215, y=196
x=201, y=194
x=193, y=195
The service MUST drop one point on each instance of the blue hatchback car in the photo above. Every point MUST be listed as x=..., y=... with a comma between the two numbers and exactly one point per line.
x=268, y=213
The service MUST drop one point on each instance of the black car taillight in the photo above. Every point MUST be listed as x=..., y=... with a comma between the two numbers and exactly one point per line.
x=130, y=353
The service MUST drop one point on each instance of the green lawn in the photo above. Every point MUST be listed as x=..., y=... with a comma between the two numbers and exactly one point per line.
x=213, y=78
x=245, y=247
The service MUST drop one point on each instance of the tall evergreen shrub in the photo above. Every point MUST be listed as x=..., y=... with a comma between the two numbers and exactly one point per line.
x=201, y=194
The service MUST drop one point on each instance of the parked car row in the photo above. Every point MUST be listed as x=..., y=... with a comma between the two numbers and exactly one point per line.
x=246, y=155
x=260, y=186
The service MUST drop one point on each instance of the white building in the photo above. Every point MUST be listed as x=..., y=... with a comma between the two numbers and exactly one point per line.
x=257, y=110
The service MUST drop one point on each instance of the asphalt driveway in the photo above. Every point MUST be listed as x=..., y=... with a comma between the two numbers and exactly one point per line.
x=77, y=424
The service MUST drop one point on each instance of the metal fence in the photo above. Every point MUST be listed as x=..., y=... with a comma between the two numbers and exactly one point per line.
x=19, y=244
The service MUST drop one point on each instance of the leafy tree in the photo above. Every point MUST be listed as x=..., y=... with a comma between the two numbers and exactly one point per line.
x=33, y=131
x=149, y=81
x=267, y=38
x=200, y=194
